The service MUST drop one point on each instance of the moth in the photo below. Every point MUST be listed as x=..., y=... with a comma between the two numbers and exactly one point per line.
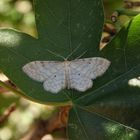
x=76, y=74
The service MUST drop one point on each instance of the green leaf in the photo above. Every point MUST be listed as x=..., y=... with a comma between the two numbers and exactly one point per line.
x=62, y=25
x=86, y=125
x=14, y=54
x=67, y=24
x=114, y=98
x=124, y=53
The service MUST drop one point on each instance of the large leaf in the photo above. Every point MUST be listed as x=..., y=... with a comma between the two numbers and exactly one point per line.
x=67, y=24
x=117, y=101
x=124, y=53
x=62, y=25
x=86, y=125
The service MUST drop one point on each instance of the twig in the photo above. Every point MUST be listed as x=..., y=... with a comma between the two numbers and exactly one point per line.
x=10, y=88
x=110, y=31
x=131, y=4
x=7, y=113
x=43, y=127
x=127, y=12
x=109, y=28
x=8, y=82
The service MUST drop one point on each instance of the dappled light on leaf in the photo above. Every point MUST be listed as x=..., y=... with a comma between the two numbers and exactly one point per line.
x=118, y=131
x=10, y=39
x=135, y=82
x=88, y=125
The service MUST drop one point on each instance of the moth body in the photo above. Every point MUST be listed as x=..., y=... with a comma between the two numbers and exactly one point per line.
x=76, y=74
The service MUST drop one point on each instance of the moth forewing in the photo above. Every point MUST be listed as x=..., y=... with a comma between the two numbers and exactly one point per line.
x=76, y=74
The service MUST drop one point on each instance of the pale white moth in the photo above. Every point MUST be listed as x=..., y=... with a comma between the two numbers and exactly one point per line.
x=76, y=74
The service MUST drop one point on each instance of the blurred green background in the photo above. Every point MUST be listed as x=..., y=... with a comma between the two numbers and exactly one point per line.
x=19, y=14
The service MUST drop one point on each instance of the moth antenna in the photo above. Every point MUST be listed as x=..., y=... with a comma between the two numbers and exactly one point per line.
x=72, y=52
x=58, y=55
x=81, y=55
